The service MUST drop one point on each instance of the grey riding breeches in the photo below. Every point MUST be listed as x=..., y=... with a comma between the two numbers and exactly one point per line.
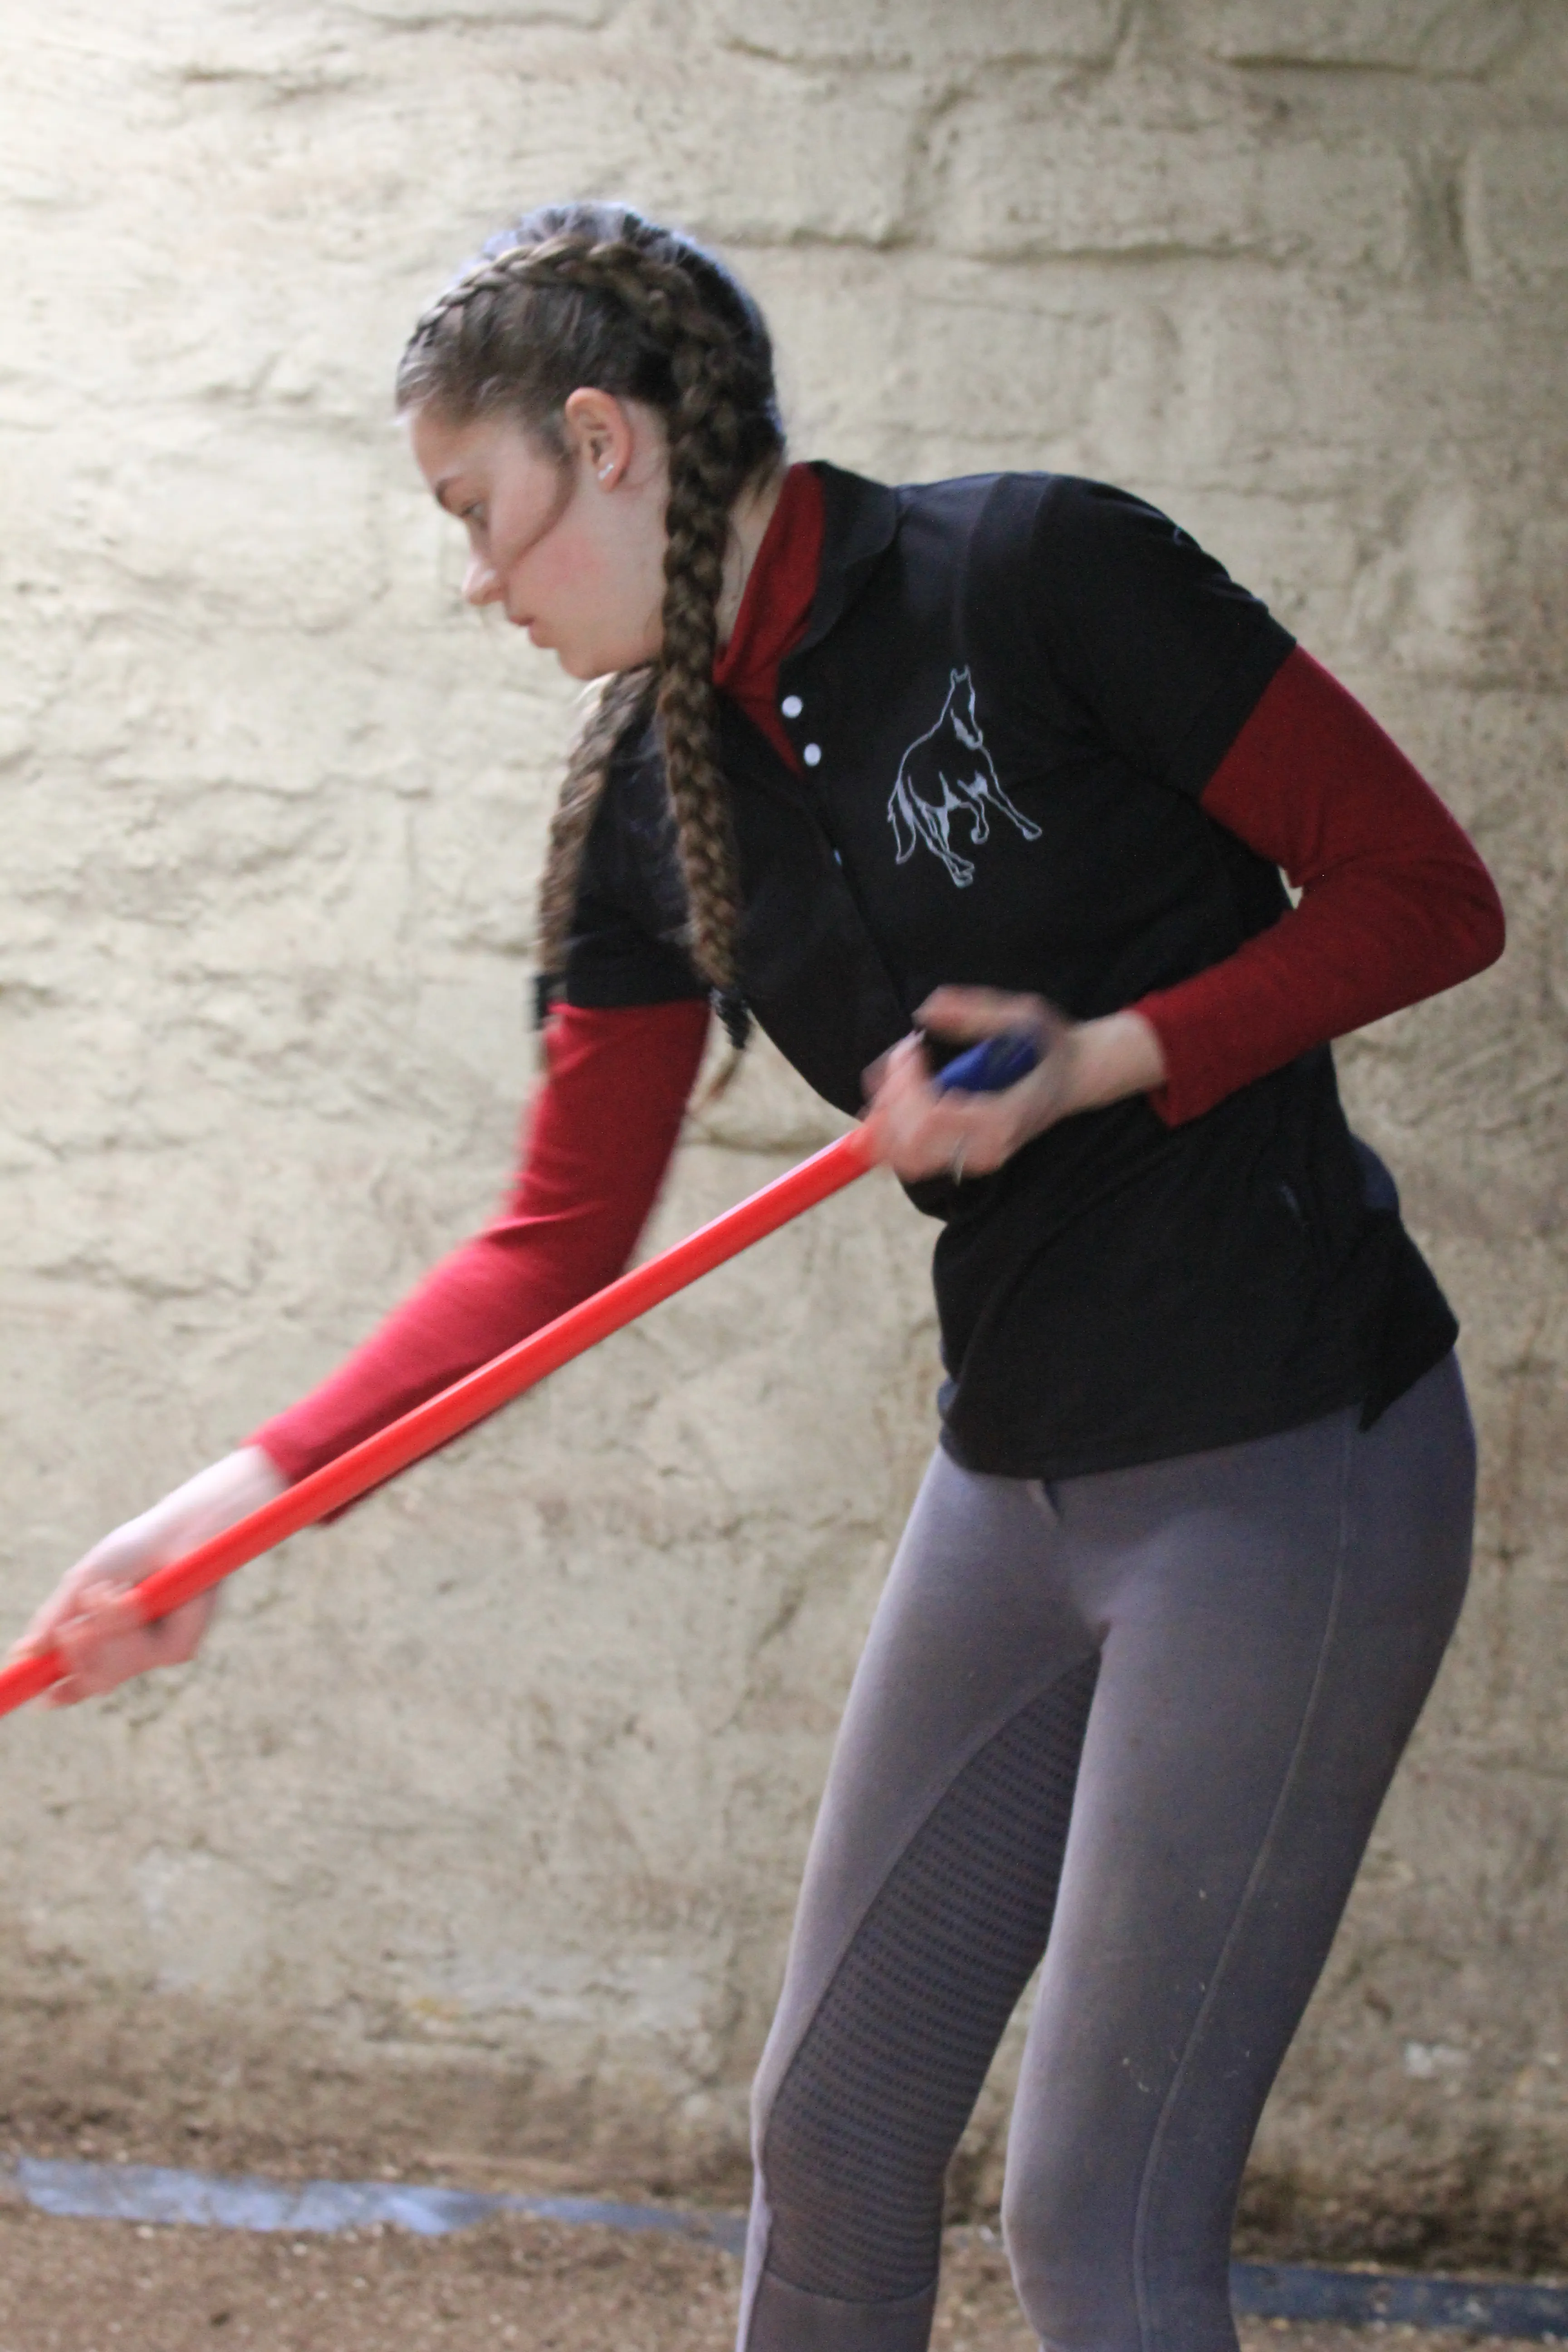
x=1133, y=1729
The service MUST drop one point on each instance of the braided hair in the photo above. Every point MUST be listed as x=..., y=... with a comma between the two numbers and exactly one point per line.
x=595, y=295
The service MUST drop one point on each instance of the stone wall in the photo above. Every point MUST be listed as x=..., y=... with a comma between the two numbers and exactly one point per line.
x=474, y=1836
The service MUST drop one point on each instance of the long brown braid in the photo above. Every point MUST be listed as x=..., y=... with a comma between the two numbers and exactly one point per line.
x=596, y=295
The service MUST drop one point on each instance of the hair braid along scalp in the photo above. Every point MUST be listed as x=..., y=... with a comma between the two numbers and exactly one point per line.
x=595, y=295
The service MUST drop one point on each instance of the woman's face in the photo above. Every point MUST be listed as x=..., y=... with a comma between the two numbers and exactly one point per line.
x=572, y=550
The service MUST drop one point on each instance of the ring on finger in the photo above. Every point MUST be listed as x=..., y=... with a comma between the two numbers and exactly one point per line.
x=955, y=1164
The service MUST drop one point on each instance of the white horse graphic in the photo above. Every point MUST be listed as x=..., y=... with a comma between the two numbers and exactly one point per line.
x=948, y=773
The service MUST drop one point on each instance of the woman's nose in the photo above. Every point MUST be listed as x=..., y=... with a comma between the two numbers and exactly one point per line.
x=481, y=586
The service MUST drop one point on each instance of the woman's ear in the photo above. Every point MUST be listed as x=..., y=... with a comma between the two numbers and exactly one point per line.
x=600, y=433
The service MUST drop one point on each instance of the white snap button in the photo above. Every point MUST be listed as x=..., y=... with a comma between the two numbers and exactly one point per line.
x=792, y=706
x=812, y=755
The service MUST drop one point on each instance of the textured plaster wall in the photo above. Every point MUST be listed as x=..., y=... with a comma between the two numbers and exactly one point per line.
x=477, y=1827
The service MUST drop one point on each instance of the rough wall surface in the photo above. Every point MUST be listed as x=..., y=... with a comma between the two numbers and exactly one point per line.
x=482, y=1814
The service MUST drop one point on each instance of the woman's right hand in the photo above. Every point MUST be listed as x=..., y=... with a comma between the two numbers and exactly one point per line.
x=91, y=1619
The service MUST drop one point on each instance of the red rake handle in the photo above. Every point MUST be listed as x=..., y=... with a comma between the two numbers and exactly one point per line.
x=469, y=1400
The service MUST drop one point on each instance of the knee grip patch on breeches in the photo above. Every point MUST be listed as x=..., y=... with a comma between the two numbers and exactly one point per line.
x=867, y=2117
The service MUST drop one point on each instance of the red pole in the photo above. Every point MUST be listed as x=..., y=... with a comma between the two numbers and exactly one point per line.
x=431, y=1425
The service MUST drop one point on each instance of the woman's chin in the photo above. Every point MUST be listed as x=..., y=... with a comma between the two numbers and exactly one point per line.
x=588, y=664
x=574, y=659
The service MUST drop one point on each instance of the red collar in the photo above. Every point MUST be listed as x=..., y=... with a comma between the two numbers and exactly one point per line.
x=776, y=607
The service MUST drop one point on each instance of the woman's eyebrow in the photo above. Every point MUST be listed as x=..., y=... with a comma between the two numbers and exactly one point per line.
x=440, y=489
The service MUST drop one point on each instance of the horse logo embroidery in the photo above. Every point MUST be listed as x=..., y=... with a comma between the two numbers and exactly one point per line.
x=948, y=773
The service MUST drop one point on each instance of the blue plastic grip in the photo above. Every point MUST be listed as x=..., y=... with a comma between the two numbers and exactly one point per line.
x=986, y=1068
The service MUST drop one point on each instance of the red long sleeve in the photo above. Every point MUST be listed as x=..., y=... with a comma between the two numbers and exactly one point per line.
x=597, y=1141
x=1395, y=905
x=601, y=1127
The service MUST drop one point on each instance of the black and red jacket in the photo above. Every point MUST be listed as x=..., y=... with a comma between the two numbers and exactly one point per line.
x=1009, y=698
x=1027, y=734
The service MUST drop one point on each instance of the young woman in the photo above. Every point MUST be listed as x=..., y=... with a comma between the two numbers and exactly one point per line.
x=1008, y=752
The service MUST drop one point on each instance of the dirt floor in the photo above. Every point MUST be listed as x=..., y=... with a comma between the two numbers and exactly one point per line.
x=162, y=2083
x=115, y=2286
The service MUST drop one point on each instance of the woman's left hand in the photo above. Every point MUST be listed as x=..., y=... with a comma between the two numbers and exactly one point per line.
x=920, y=1131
